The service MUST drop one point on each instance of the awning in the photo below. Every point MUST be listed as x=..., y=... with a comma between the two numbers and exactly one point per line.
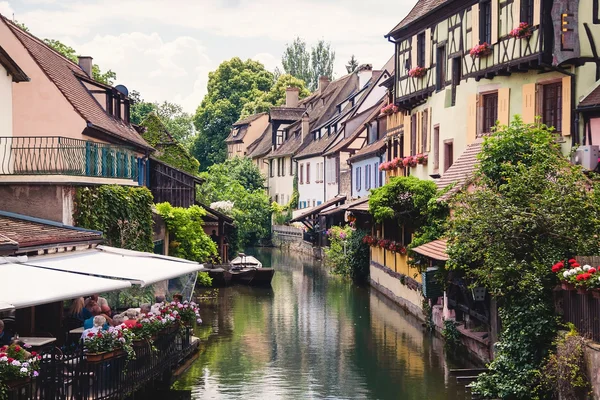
x=347, y=206
x=6, y=306
x=26, y=286
x=109, y=262
x=308, y=216
x=435, y=250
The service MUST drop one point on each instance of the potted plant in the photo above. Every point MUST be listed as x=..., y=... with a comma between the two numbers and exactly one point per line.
x=422, y=159
x=17, y=365
x=389, y=109
x=523, y=31
x=417, y=72
x=481, y=50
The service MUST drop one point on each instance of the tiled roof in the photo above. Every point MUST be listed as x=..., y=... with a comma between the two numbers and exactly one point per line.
x=262, y=145
x=289, y=147
x=316, y=210
x=249, y=119
x=286, y=113
x=369, y=150
x=366, y=116
x=591, y=100
x=347, y=206
x=66, y=75
x=30, y=232
x=422, y=8
x=237, y=133
x=435, y=250
x=12, y=67
x=461, y=171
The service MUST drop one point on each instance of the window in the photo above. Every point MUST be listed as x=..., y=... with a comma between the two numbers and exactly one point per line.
x=421, y=49
x=436, y=148
x=358, y=178
x=372, y=132
x=283, y=167
x=376, y=183
x=413, y=135
x=552, y=105
x=291, y=167
x=448, y=154
x=271, y=171
x=367, y=177
x=456, y=74
x=527, y=11
x=424, y=130
x=485, y=22
x=301, y=177
x=440, y=69
x=307, y=172
x=490, y=111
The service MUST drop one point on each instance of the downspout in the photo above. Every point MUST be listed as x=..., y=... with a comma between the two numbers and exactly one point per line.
x=574, y=114
x=324, y=179
x=265, y=161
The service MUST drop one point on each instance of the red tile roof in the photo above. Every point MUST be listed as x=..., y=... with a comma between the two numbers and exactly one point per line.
x=461, y=171
x=29, y=232
x=67, y=75
x=591, y=100
x=422, y=8
x=435, y=250
x=249, y=119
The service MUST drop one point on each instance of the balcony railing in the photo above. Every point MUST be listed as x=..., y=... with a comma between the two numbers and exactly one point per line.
x=55, y=155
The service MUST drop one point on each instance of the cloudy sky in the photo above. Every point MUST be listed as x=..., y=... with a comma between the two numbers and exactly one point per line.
x=165, y=48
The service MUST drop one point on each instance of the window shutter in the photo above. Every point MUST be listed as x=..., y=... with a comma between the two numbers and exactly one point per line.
x=516, y=14
x=407, y=132
x=425, y=131
x=429, y=119
x=494, y=21
x=504, y=106
x=474, y=25
x=427, y=47
x=472, y=118
x=536, y=12
x=418, y=131
x=566, y=106
x=413, y=51
x=528, y=112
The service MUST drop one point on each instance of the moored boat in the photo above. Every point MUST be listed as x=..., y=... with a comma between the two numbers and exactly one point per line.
x=248, y=270
x=220, y=276
x=242, y=275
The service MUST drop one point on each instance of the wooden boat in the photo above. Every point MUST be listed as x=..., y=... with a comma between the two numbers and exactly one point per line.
x=263, y=277
x=248, y=270
x=220, y=276
x=242, y=275
x=245, y=261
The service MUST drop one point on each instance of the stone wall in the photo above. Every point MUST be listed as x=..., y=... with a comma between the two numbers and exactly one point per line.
x=52, y=202
x=592, y=359
x=407, y=295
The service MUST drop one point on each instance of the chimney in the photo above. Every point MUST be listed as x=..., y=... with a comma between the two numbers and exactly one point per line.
x=323, y=83
x=85, y=63
x=305, y=127
x=291, y=96
x=364, y=72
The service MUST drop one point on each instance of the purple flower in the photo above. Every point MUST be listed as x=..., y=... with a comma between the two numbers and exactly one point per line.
x=27, y=346
x=342, y=235
x=199, y=321
x=35, y=373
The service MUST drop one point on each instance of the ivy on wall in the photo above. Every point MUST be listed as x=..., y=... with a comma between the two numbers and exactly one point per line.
x=123, y=214
x=168, y=149
x=188, y=239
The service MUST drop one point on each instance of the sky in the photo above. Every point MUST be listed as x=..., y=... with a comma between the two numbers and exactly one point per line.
x=165, y=49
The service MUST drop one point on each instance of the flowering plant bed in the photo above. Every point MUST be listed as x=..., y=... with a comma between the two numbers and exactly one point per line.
x=17, y=364
x=386, y=244
x=481, y=50
x=391, y=165
x=574, y=276
x=422, y=159
x=523, y=31
x=417, y=72
x=103, y=344
x=410, y=161
x=389, y=109
x=370, y=240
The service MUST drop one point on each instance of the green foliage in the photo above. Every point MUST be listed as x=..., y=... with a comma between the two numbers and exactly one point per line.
x=352, y=64
x=169, y=150
x=123, y=214
x=187, y=237
x=530, y=208
x=107, y=77
x=434, y=227
x=281, y=214
x=238, y=180
x=347, y=255
x=405, y=198
x=233, y=84
x=308, y=66
x=275, y=96
x=451, y=335
x=204, y=279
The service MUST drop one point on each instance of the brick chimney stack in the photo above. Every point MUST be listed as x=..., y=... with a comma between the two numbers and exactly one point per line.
x=291, y=96
x=305, y=127
x=85, y=63
x=364, y=72
x=323, y=83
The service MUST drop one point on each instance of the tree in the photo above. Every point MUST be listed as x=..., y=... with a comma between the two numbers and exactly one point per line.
x=296, y=61
x=352, y=64
x=238, y=180
x=275, y=96
x=107, y=77
x=321, y=62
x=530, y=208
x=233, y=84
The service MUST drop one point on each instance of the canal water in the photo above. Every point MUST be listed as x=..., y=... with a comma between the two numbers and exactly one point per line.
x=313, y=336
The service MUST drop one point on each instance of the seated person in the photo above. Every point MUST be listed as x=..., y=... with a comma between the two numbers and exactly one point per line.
x=96, y=312
x=5, y=337
x=132, y=316
x=155, y=309
x=98, y=323
x=78, y=311
x=178, y=298
x=145, y=308
x=101, y=301
x=118, y=319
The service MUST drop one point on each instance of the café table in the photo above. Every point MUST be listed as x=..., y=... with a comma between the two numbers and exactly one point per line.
x=37, y=341
x=77, y=330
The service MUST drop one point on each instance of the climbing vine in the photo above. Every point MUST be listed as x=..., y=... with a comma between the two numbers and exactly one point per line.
x=348, y=253
x=186, y=233
x=122, y=214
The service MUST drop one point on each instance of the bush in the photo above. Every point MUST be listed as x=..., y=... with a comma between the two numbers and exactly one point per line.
x=203, y=279
x=347, y=255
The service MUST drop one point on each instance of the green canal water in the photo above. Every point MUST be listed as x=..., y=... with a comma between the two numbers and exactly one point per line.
x=313, y=336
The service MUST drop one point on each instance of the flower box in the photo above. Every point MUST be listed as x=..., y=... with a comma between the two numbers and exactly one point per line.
x=567, y=286
x=581, y=290
x=94, y=358
x=17, y=383
x=417, y=72
x=523, y=31
x=481, y=50
x=389, y=109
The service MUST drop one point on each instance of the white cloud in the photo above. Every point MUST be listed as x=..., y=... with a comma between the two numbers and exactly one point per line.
x=6, y=9
x=269, y=61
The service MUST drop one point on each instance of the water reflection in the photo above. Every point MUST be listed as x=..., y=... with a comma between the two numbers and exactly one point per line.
x=313, y=336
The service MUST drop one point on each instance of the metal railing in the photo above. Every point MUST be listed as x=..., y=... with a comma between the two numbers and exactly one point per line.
x=56, y=155
x=70, y=376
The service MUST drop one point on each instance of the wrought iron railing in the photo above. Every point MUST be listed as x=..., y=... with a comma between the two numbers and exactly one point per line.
x=70, y=376
x=55, y=155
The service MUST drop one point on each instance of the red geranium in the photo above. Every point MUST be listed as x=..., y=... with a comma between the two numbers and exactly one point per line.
x=90, y=334
x=17, y=348
x=572, y=261
x=10, y=359
x=575, y=265
x=592, y=271
x=558, y=266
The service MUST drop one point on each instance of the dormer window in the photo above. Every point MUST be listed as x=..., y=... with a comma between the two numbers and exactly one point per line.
x=421, y=49
x=118, y=105
x=236, y=131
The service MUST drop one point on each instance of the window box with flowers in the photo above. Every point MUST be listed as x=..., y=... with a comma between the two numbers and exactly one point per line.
x=417, y=72
x=422, y=159
x=389, y=109
x=573, y=276
x=523, y=31
x=481, y=50
x=410, y=161
x=17, y=365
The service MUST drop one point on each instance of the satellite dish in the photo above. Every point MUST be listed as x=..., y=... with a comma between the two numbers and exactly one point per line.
x=122, y=89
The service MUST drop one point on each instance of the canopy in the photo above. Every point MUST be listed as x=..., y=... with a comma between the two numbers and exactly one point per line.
x=6, y=306
x=138, y=267
x=435, y=250
x=25, y=286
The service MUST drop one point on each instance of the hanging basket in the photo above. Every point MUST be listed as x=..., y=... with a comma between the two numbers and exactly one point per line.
x=478, y=293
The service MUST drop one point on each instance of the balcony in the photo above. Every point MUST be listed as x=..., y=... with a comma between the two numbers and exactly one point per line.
x=66, y=159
